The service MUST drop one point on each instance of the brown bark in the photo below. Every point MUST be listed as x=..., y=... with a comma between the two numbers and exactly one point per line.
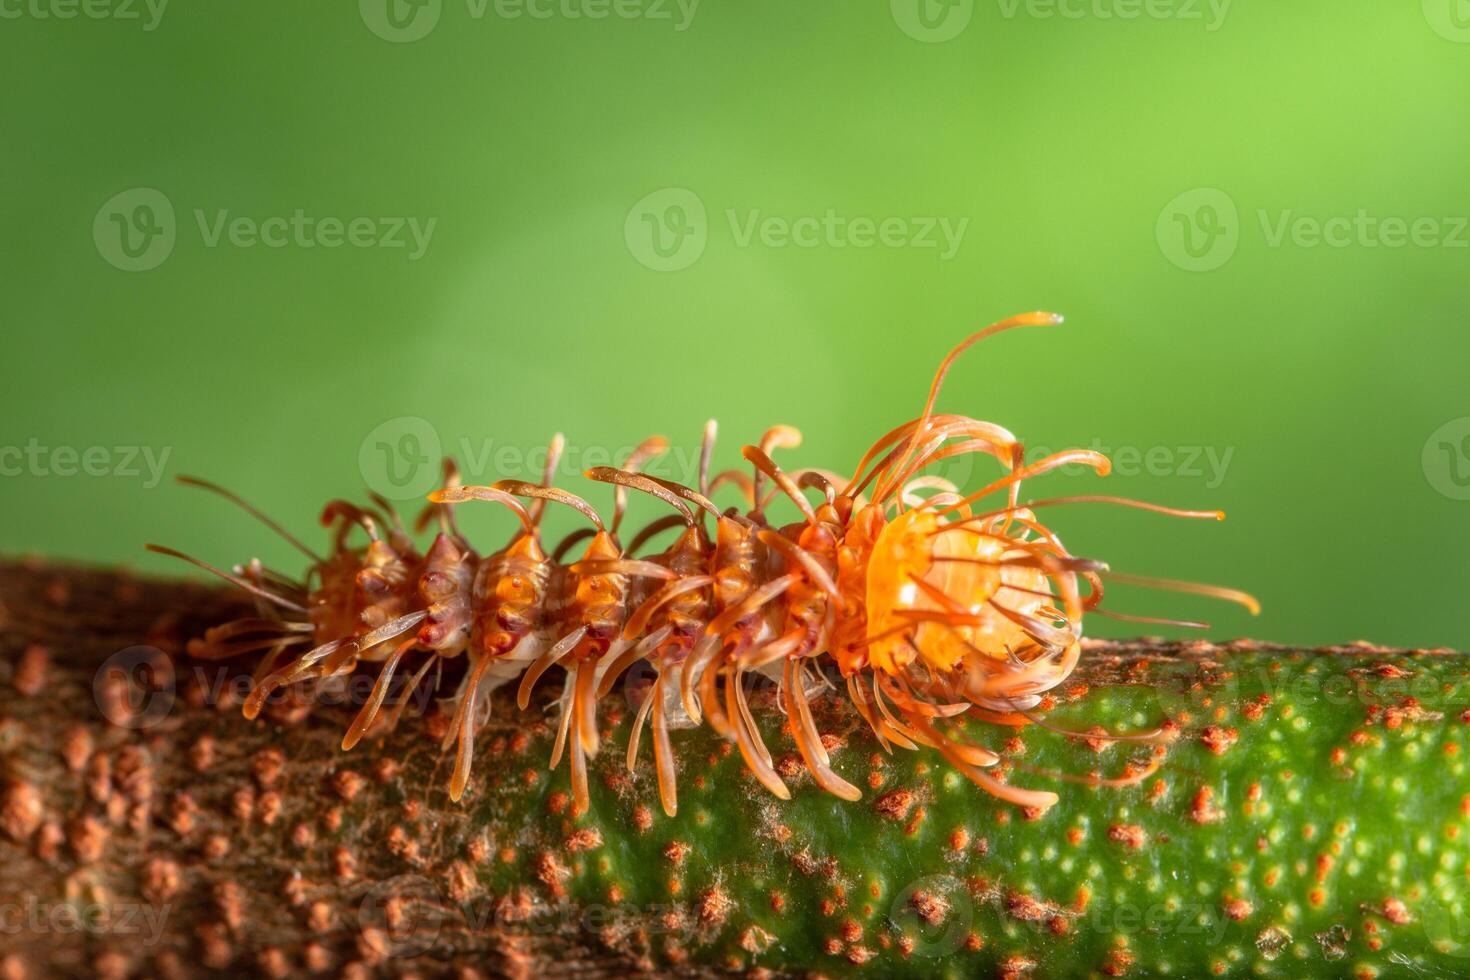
x=163, y=836
x=190, y=841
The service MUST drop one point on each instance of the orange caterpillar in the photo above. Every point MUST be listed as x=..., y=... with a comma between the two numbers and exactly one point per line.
x=928, y=603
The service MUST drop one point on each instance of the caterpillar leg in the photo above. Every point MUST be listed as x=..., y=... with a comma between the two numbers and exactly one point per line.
x=635, y=734
x=779, y=649
x=895, y=728
x=369, y=712
x=687, y=675
x=464, y=725
x=303, y=667
x=545, y=662
x=663, y=751
x=581, y=799
x=563, y=725
x=962, y=760
x=808, y=741
x=267, y=663
x=641, y=617
x=757, y=760
x=619, y=662
x=396, y=711
x=584, y=701
x=710, y=700
x=736, y=677
x=582, y=709
x=328, y=659
x=864, y=705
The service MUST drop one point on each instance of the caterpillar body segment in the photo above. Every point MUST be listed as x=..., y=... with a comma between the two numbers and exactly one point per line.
x=928, y=603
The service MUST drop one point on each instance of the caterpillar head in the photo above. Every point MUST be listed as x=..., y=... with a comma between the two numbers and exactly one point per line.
x=960, y=593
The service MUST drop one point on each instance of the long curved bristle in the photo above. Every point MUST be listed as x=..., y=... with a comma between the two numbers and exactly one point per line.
x=1245, y=599
x=232, y=579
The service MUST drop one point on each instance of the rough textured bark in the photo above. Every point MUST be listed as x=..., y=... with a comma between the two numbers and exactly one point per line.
x=146, y=829
x=187, y=841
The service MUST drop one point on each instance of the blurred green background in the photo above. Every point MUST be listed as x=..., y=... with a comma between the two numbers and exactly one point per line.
x=635, y=215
